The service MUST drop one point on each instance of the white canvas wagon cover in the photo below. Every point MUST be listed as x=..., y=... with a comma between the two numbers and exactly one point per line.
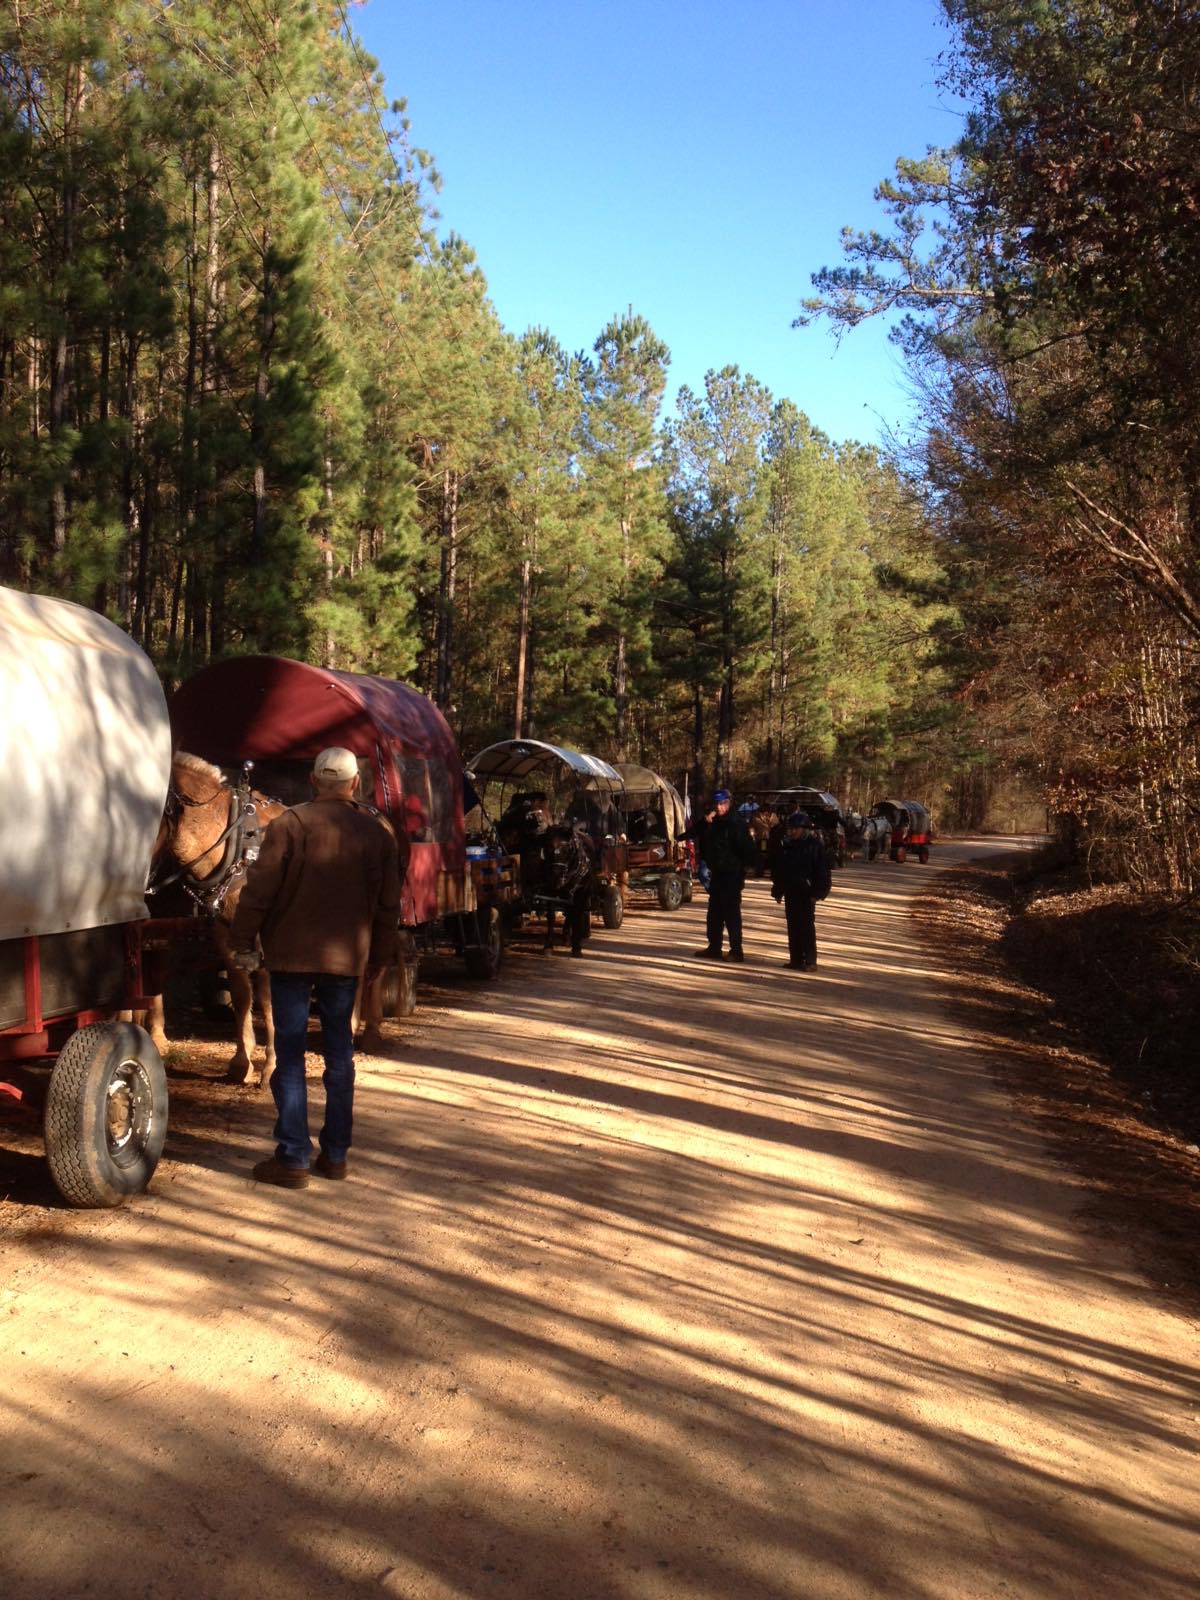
x=85, y=749
x=645, y=787
x=518, y=759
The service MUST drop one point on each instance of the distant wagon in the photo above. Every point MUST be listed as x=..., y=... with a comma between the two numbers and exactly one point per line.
x=822, y=809
x=85, y=748
x=659, y=856
x=911, y=827
x=525, y=783
x=279, y=714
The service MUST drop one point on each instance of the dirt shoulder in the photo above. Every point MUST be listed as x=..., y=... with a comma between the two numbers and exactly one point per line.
x=1090, y=1026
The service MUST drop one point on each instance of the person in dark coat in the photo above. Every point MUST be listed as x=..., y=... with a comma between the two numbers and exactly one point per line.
x=728, y=851
x=800, y=876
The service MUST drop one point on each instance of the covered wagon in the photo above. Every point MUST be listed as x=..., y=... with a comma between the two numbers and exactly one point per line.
x=911, y=827
x=525, y=784
x=85, y=747
x=659, y=856
x=818, y=805
x=278, y=714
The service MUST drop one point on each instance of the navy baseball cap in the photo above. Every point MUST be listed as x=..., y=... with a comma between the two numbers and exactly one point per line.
x=720, y=796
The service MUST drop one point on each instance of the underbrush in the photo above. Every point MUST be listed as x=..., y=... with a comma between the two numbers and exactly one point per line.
x=1122, y=972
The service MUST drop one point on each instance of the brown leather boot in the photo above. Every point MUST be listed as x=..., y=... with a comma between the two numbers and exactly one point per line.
x=273, y=1171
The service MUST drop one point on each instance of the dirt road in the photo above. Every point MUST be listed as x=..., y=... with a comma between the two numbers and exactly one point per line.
x=652, y=1280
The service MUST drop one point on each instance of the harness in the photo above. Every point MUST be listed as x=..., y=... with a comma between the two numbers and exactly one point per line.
x=241, y=836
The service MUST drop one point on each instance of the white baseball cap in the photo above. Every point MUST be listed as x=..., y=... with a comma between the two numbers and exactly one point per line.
x=336, y=765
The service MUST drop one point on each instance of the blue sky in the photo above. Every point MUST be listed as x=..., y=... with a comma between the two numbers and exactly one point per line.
x=692, y=159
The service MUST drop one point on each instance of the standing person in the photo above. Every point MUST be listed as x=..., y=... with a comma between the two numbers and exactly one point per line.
x=800, y=876
x=325, y=896
x=727, y=850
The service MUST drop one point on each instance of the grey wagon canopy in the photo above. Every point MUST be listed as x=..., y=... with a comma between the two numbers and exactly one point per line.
x=85, y=747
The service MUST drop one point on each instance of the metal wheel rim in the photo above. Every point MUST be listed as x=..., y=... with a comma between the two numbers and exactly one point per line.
x=128, y=1112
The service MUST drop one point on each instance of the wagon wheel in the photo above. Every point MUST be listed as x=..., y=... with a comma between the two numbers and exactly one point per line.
x=688, y=889
x=483, y=960
x=612, y=907
x=670, y=891
x=899, y=853
x=106, y=1114
x=923, y=854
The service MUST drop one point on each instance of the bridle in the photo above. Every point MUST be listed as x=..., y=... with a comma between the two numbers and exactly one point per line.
x=241, y=836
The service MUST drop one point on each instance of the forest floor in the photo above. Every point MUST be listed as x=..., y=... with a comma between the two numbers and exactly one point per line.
x=653, y=1280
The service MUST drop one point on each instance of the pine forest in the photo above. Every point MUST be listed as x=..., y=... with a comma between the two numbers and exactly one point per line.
x=255, y=398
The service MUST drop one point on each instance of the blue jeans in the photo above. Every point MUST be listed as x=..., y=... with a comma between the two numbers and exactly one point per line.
x=291, y=993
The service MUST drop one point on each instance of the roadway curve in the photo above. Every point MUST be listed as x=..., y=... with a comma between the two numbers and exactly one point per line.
x=653, y=1281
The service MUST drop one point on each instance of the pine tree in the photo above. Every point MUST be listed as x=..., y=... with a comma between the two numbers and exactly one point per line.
x=717, y=479
x=624, y=388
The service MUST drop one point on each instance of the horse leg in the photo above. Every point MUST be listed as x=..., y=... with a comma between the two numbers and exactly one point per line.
x=151, y=1019
x=155, y=1023
x=368, y=1014
x=262, y=988
x=240, y=1069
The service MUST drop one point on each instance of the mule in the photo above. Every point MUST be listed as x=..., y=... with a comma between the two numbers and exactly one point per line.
x=567, y=881
x=877, y=836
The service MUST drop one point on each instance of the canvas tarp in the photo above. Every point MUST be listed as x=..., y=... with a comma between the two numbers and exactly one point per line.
x=646, y=788
x=85, y=748
x=517, y=760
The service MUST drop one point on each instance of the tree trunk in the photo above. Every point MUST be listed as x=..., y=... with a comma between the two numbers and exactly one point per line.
x=448, y=582
x=262, y=396
x=772, y=750
x=621, y=664
x=522, y=646
x=697, y=741
x=725, y=700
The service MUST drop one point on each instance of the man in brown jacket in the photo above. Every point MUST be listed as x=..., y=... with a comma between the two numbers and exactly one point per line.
x=324, y=896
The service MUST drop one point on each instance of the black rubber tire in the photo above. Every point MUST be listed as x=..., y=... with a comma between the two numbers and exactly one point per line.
x=106, y=1114
x=612, y=907
x=670, y=891
x=483, y=960
x=689, y=888
x=923, y=854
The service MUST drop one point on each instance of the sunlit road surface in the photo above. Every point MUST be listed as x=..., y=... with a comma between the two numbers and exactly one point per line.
x=652, y=1279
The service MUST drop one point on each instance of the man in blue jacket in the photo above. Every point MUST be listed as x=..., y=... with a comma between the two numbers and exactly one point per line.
x=800, y=876
x=727, y=850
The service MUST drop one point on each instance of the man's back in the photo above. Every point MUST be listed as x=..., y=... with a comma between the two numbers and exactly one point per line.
x=325, y=890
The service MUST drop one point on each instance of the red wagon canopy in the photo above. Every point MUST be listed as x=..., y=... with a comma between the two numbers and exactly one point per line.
x=280, y=714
